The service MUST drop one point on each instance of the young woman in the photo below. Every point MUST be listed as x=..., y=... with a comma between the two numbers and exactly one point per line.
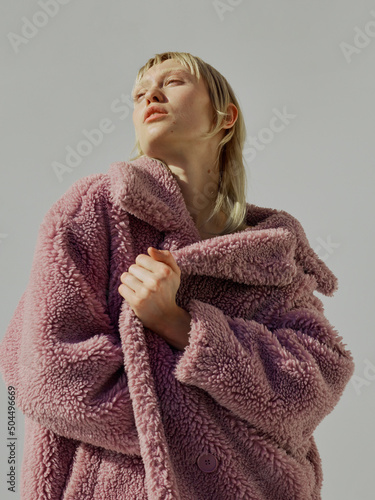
x=169, y=344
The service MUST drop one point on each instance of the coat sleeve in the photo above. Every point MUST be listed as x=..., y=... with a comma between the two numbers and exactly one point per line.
x=60, y=351
x=282, y=378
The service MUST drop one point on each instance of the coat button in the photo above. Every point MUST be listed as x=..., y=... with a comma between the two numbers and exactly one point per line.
x=207, y=462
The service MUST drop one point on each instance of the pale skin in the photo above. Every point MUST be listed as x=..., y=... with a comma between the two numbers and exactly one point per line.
x=151, y=284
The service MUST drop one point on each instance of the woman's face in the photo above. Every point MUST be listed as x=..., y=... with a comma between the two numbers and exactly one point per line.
x=188, y=112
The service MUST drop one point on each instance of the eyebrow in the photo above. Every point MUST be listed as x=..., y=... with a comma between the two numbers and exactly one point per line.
x=163, y=73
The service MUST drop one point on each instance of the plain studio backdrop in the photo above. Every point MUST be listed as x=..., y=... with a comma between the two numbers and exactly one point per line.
x=304, y=75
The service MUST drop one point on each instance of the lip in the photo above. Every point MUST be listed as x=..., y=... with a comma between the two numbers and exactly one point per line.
x=154, y=116
x=153, y=112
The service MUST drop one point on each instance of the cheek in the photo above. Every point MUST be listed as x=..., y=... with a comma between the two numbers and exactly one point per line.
x=196, y=112
x=201, y=114
x=137, y=117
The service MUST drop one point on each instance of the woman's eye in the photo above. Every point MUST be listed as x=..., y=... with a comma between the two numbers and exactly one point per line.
x=138, y=96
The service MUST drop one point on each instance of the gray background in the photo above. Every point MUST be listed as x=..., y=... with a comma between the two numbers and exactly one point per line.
x=79, y=68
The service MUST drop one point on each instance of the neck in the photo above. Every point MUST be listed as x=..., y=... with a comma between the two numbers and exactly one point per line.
x=199, y=187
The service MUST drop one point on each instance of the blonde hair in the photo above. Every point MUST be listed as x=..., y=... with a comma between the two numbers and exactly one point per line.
x=231, y=196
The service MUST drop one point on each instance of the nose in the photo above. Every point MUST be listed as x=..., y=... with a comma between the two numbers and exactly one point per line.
x=153, y=94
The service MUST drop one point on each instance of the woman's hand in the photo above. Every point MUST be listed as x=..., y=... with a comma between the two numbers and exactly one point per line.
x=150, y=288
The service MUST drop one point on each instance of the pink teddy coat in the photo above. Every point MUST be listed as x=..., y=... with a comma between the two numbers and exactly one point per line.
x=113, y=411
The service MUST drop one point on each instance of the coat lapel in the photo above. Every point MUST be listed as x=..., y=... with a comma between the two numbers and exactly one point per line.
x=266, y=254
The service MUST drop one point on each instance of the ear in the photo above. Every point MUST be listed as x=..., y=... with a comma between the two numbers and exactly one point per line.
x=232, y=115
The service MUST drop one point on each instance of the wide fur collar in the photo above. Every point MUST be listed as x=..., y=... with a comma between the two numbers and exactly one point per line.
x=267, y=254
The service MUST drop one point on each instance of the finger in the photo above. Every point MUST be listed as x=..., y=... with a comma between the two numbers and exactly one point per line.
x=164, y=256
x=125, y=291
x=138, y=272
x=146, y=262
x=131, y=282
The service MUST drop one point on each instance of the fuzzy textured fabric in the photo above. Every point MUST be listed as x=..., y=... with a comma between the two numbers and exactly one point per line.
x=113, y=411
